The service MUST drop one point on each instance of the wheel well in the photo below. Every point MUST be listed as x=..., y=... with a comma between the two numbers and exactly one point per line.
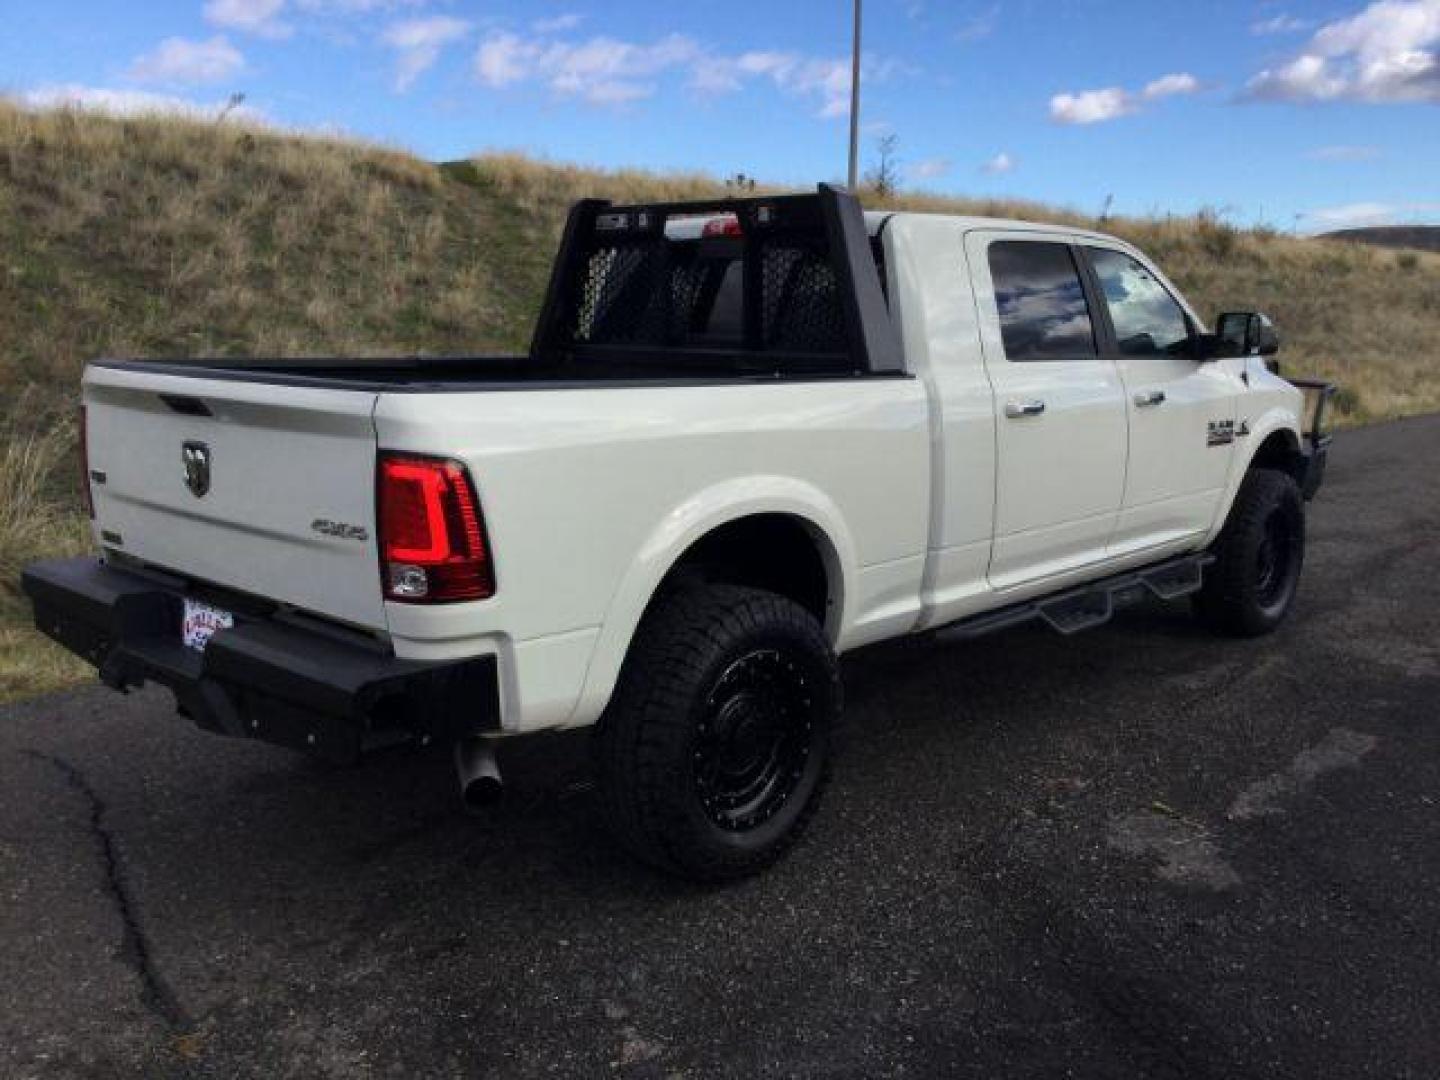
x=1281, y=451
x=778, y=552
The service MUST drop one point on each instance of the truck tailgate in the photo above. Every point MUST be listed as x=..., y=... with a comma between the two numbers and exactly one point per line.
x=287, y=509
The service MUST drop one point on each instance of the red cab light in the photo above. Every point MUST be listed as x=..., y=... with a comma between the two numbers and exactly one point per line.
x=728, y=225
x=433, y=548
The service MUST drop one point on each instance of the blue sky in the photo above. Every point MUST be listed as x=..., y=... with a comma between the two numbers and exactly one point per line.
x=1302, y=114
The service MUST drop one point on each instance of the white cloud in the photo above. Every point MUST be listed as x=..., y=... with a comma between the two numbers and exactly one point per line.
x=505, y=59
x=264, y=18
x=179, y=60
x=1344, y=153
x=1171, y=86
x=1387, y=53
x=130, y=103
x=1113, y=102
x=355, y=7
x=558, y=24
x=259, y=17
x=1306, y=78
x=602, y=70
x=1091, y=106
x=1356, y=214
x=419, y=41
x=999, y=165
x=930, y=169
x=608, y=71
x=804, y=76
x=1279, y=24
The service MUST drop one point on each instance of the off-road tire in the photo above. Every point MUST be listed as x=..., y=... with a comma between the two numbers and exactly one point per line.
x=1251, y=586
x=707, y=657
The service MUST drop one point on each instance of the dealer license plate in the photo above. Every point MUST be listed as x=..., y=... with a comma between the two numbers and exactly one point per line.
x=200, y=623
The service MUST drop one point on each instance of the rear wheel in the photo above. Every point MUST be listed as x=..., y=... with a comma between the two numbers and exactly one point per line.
x=1251, y=586
x=714, y=753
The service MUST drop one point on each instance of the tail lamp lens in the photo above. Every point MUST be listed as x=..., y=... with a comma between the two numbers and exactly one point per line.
x=433, y=548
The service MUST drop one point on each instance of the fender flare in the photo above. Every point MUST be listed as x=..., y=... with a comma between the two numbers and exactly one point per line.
x=1276, y=418
x=678, y=531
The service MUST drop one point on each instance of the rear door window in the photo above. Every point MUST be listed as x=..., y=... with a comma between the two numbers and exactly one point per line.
x=1043, y=311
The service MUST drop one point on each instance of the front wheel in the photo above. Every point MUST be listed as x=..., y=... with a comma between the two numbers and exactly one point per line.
x=715, y=750
x=1251, y=586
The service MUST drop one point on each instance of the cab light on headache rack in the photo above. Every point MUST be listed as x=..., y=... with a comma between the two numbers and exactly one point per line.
x=433, y=548
x=728, y=225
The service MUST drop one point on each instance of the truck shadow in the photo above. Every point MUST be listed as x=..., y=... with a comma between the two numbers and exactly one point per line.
x=913, y=707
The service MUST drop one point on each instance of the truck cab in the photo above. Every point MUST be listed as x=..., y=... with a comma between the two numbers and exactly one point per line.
x=1086, y=427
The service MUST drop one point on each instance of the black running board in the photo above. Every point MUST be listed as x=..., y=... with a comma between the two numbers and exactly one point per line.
x=1086, y=606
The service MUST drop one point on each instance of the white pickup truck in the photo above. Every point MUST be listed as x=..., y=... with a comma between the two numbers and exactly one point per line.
x=750, y=435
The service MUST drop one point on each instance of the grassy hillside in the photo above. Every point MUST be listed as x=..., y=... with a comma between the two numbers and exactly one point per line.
x=162, y=237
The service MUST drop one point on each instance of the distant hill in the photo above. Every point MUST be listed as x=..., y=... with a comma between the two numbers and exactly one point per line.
x=1418, y=237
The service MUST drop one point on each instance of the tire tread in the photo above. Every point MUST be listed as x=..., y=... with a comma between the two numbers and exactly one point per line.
x=1226, y=602
x=645, y=730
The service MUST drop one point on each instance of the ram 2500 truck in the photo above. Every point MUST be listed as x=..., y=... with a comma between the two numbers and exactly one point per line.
x=749, y=436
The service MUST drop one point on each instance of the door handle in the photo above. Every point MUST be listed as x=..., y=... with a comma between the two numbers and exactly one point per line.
x=1149, y=399
x=1016, y=409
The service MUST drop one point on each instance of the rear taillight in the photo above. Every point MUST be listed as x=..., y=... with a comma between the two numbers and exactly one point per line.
x=85, y=493
x=432, y=536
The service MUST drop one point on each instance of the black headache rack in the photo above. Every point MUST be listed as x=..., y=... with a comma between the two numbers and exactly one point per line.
x=778, y=285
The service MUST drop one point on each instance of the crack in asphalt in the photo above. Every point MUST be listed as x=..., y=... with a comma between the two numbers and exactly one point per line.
x=134, y=950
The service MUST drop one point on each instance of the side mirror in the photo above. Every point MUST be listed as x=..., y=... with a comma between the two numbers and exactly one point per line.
x=1246, y=333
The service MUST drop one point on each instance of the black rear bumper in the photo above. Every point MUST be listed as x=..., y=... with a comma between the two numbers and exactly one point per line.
x=306, y=686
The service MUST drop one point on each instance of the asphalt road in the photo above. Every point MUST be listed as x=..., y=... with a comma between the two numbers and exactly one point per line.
x=1139, y=852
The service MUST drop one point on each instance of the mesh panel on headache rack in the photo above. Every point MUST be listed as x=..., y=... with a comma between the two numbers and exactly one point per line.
x=636, y=295
x=800, y=299
x=686, y=282
x=615, y=300
x=652, y=293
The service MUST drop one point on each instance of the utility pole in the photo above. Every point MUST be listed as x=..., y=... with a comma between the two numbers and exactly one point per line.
x=855, y=103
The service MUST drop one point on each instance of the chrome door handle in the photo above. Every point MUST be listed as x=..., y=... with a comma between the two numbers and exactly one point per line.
x=1150, y=399
x=1016, y=409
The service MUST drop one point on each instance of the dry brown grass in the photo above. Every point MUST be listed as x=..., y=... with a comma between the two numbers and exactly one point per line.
x=544, y=191
x=167, y=237
x=160, y=236
x=38, y=518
